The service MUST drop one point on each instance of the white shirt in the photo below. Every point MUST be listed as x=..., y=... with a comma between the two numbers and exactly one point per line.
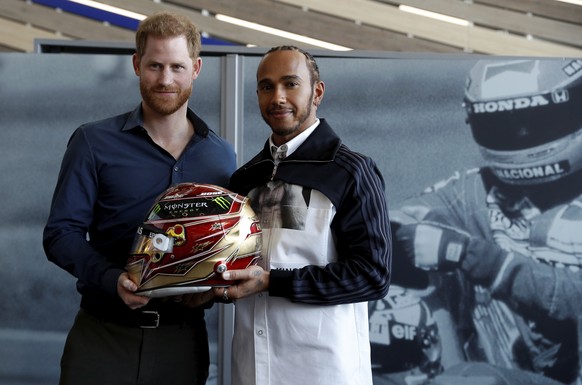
x=289, y=148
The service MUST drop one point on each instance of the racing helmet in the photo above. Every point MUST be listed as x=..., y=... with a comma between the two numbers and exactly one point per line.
x=526, y=117
x=404, y=336
x=192, y=233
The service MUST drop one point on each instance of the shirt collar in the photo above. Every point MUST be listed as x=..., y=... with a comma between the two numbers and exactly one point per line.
x=292, y=145
x=136, y=120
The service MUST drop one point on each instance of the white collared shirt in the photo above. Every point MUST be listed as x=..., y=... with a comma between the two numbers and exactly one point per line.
x=286, y=149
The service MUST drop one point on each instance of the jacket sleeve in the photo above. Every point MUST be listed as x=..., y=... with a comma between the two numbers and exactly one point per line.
x=524, y=283
x=361, y=229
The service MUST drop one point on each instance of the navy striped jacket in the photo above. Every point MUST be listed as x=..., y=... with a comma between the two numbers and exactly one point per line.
x=360, y=226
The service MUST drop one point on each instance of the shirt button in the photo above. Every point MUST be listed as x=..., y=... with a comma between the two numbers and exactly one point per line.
x=259, y=332
x=176, y=169
x=260, y=295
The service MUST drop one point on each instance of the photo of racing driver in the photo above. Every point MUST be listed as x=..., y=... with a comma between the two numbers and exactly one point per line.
x=505, y=239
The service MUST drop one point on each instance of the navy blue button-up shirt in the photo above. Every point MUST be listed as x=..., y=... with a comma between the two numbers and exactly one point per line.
x=110, y=176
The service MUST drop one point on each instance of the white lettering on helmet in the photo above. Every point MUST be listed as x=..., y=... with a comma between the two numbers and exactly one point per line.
x=403, y=332
x=573, y=67
x=184, y=205
x=211, y=193
x=510, y=104
x=526, y=173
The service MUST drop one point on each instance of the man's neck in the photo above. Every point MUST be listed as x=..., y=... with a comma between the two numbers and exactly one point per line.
x=171, y=132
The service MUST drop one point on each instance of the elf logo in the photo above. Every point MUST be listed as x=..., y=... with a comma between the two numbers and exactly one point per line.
x=386, y=332
x=556, y=97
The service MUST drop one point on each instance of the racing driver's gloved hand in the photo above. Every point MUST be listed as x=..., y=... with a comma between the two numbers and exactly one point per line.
x=434, y=245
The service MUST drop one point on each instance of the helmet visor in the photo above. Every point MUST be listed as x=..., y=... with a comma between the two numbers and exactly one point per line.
x=510, y=125
x=150, y=240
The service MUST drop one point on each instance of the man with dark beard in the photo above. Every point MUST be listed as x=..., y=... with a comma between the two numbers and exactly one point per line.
x=111, y=173
x=301, y=315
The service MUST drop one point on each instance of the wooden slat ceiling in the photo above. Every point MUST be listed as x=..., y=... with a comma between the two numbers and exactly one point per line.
x=498, y=27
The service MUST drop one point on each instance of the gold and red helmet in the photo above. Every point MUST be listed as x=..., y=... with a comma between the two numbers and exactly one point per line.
x=193, y=233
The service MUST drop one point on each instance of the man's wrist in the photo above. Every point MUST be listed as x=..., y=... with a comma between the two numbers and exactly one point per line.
x=483, y=261
x=280, y=283
x=110, y=280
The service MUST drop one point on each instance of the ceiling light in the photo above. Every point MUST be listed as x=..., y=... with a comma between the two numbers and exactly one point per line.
x=109, y=8
x=434, y=15
x=281, y=33
x=575, y=2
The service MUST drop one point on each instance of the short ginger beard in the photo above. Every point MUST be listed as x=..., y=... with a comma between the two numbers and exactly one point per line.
x=161, y=106
x=287, y=131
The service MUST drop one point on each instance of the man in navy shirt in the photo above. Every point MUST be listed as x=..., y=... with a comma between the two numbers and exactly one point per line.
x=111, y=173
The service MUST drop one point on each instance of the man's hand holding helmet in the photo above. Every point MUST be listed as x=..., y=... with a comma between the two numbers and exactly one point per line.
x=249, y=281
x=126, y=289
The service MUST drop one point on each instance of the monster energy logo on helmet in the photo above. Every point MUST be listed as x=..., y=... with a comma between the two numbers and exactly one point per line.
x=222, y=202
x=191, y=207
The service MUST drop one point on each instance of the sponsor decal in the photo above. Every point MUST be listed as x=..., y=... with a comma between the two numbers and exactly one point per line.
x=211, y=193
x=385, y=331
x=555, y=97
x=184, y=205
x=222, y=202
x=573, y=67
x=560, y=96
x=403, y=332
x=535, y=172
